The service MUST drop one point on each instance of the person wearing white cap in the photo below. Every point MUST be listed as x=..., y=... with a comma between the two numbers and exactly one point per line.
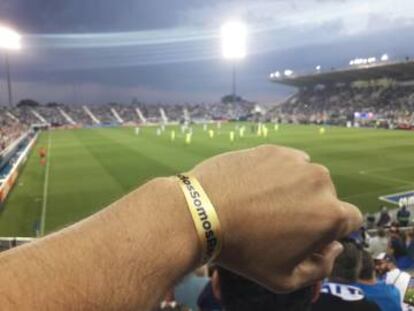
x=394, y=276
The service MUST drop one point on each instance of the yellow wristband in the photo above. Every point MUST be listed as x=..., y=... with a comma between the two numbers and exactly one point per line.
x=204, y=216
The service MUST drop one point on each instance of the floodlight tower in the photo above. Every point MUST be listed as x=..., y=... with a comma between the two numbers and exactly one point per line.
x=233, y=36
x=10, y=40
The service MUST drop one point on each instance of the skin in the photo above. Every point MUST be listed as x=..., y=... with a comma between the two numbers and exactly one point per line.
x=279, y=214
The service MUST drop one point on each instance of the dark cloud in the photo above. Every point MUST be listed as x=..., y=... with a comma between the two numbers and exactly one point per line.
x=59, y=16
x=170, y=50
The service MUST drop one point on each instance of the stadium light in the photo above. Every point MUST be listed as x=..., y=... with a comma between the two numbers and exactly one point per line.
x=384, y=57
x=288, y=72
x=275, y=75
x=10, y=40
x=233, y=39
x=318, y=68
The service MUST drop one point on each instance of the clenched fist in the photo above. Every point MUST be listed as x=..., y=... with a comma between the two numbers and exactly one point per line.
x=279, y=213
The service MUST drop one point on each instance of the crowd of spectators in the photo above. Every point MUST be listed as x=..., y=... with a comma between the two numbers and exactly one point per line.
x=10, y=130
x=387, y=105
x=372, y=274
x=395, y=241
x=106, y=114
x=360, y=281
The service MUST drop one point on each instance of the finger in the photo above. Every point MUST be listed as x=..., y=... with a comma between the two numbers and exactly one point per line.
x=322, y=177
x=352, y=219
x=296, y=154
x=317, y=266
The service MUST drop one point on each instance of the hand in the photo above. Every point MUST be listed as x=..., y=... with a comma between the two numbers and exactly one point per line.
x=279, y=213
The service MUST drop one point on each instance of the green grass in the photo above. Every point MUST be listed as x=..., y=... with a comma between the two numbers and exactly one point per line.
x=90, y=168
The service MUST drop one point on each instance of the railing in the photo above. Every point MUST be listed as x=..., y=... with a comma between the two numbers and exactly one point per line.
x=9, y=181
x=10, y=242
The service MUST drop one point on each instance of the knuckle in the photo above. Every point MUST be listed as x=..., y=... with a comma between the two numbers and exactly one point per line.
x=305, y=156
x=320, y=174
x=334, y=216
x=339, y=215
x=321, y=170
x=268, y=148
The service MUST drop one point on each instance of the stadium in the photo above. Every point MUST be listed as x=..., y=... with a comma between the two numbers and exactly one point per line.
x=102, y=143
x=63, y=162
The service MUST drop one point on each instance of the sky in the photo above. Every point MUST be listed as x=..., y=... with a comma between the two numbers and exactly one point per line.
x=169, y=51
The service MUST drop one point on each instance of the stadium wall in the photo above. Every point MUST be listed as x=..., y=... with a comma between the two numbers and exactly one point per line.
x=9, y=181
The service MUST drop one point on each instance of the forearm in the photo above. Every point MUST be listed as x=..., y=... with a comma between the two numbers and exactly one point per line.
x=122, y=258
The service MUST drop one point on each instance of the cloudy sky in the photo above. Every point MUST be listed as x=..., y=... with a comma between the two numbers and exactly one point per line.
x=97, y=51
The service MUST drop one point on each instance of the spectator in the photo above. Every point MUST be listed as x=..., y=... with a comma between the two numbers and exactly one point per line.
x=397, y=245
x=340, y=293
x=239, y=294
x=403, y=216
x=188, y=291
x=389, y=272
x=386, y=296
x=378, y=244
x=370, y=220
x=170, y=304
x=384, y=218
x=208, y=300
x=409, y=242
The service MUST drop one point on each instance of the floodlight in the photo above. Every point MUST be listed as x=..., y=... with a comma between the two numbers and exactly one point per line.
x=318, y=68
x=288, y=72
x=233, y=36
x=384, y=57
x=9, y=39
x=277, y=74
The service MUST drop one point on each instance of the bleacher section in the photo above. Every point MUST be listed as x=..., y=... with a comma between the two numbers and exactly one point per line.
x=386, y=106
x=12, y=160
x=376, y=95
x=116, y=114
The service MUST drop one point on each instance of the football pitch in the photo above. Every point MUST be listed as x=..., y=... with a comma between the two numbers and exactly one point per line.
x=88, y=169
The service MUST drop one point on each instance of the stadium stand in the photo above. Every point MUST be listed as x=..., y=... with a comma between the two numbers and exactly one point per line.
x=386, y=106
x=380, y=95
x=65, y=115
x=10, y=129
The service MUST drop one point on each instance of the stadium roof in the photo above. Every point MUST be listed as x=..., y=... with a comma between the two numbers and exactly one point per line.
x=399, y=71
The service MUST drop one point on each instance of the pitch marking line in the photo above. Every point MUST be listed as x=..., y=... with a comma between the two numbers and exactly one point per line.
x=46, y=186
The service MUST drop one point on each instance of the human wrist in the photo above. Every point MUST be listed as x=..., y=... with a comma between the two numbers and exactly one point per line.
x=204, y=217
x=180, y=234
x=220, y=200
